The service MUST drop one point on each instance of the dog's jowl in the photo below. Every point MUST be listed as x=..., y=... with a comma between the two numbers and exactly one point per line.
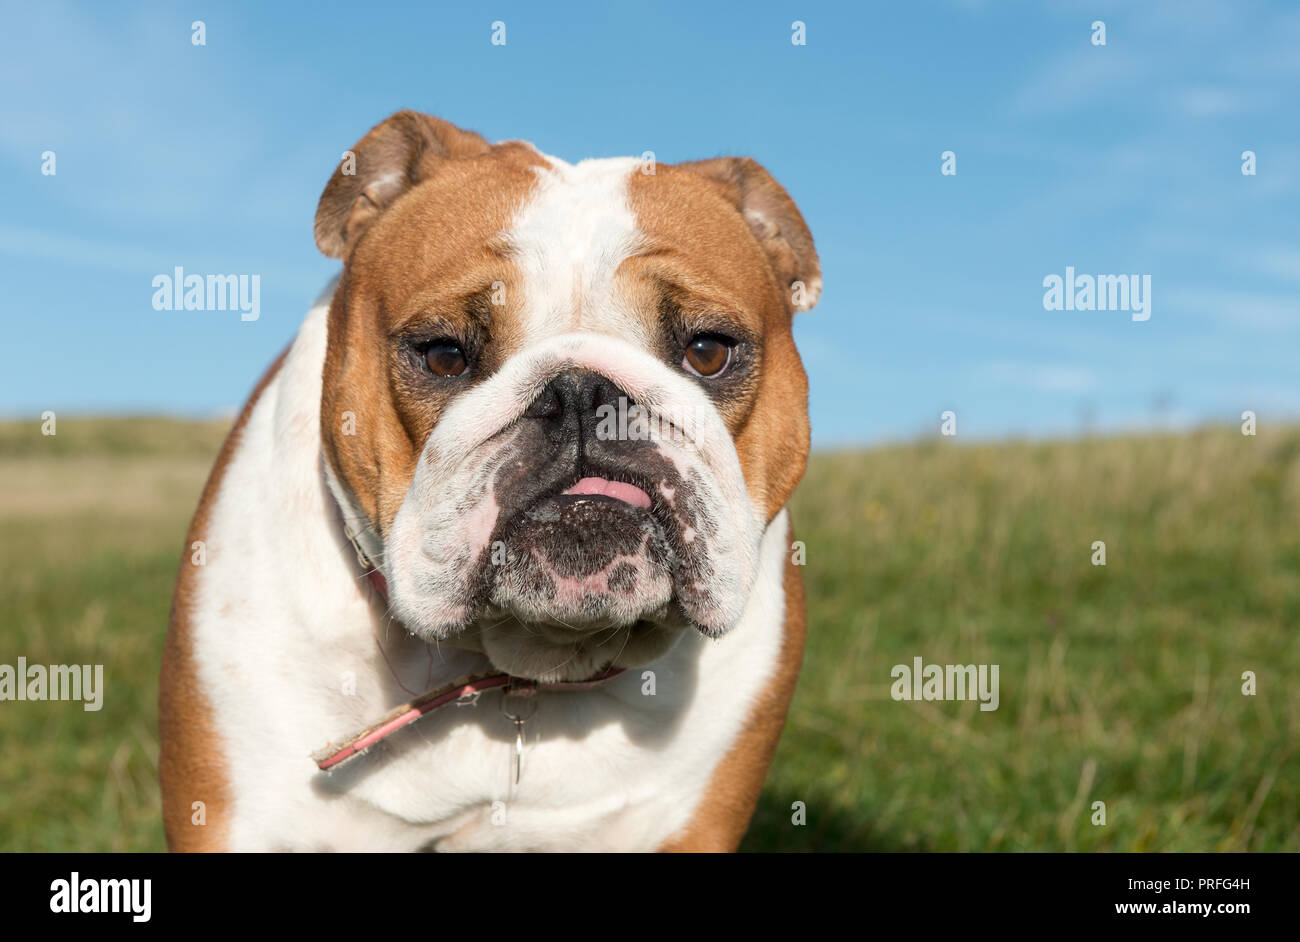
x=497, y=552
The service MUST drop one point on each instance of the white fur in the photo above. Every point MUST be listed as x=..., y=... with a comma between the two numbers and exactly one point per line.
x=284, y=624
x=569, y=239
x=429, y=559
x=283, y=620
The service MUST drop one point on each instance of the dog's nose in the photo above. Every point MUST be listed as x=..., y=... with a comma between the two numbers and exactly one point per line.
x=575, y=402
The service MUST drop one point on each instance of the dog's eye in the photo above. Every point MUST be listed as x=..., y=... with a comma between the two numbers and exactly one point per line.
x=445, y=358
x=708, y=354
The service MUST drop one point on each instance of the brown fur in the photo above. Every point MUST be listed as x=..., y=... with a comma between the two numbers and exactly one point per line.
x=722, y=816
x=447, y=226
x=739, y=238
x=191, y=763
x=716, y=254
x=436, y=196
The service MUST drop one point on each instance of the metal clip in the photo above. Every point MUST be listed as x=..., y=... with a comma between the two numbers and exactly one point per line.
x=525, y=692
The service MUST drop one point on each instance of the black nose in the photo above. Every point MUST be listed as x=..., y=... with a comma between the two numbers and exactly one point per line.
x=574, y=403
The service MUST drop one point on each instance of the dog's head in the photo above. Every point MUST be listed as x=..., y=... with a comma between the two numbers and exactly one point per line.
x=561, y=402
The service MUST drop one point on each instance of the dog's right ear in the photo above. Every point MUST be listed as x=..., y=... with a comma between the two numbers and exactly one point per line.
x=395, y=154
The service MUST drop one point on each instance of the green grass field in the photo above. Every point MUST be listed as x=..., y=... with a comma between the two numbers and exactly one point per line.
x=1119, y=684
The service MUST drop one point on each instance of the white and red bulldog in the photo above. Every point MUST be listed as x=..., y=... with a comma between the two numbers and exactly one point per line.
x=496, y=556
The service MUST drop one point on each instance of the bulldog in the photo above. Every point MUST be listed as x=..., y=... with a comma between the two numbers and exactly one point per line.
x=497, y=555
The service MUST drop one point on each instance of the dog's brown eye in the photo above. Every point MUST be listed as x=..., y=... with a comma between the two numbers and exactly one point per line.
x=445, y=359
x=707, y=355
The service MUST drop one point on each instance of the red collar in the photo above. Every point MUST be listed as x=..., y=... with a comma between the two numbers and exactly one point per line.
x=463, y=692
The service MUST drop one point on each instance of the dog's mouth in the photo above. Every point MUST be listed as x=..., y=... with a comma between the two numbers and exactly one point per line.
x=596, y=551
x=580, y=509
x=592, y=502
x=583, y=580
x=593, y=487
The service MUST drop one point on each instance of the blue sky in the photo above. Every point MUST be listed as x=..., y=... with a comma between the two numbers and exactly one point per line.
x=1115, y=159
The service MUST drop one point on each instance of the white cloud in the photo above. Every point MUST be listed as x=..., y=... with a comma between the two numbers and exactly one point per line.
x=30, y=243
x=1278, y=261
x=1077, y=79
x=1041, y=377
x=1254, y=310
x=1208, y=102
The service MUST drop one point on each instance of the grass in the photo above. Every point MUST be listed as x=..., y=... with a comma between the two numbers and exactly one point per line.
x=1119, y=684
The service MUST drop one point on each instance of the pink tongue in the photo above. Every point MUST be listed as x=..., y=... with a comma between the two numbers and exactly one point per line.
x=627, y=493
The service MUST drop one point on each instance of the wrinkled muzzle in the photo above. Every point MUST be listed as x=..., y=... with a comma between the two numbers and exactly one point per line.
x=583, y=488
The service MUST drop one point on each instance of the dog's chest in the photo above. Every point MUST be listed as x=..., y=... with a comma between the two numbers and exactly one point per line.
x=620, y=767
x=617, y=767
x=284, y=641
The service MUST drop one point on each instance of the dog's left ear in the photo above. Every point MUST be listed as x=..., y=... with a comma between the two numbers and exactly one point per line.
x=775, y=221
x=394, y=156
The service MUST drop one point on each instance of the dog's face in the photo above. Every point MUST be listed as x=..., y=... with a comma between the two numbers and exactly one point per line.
x=564, y=399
